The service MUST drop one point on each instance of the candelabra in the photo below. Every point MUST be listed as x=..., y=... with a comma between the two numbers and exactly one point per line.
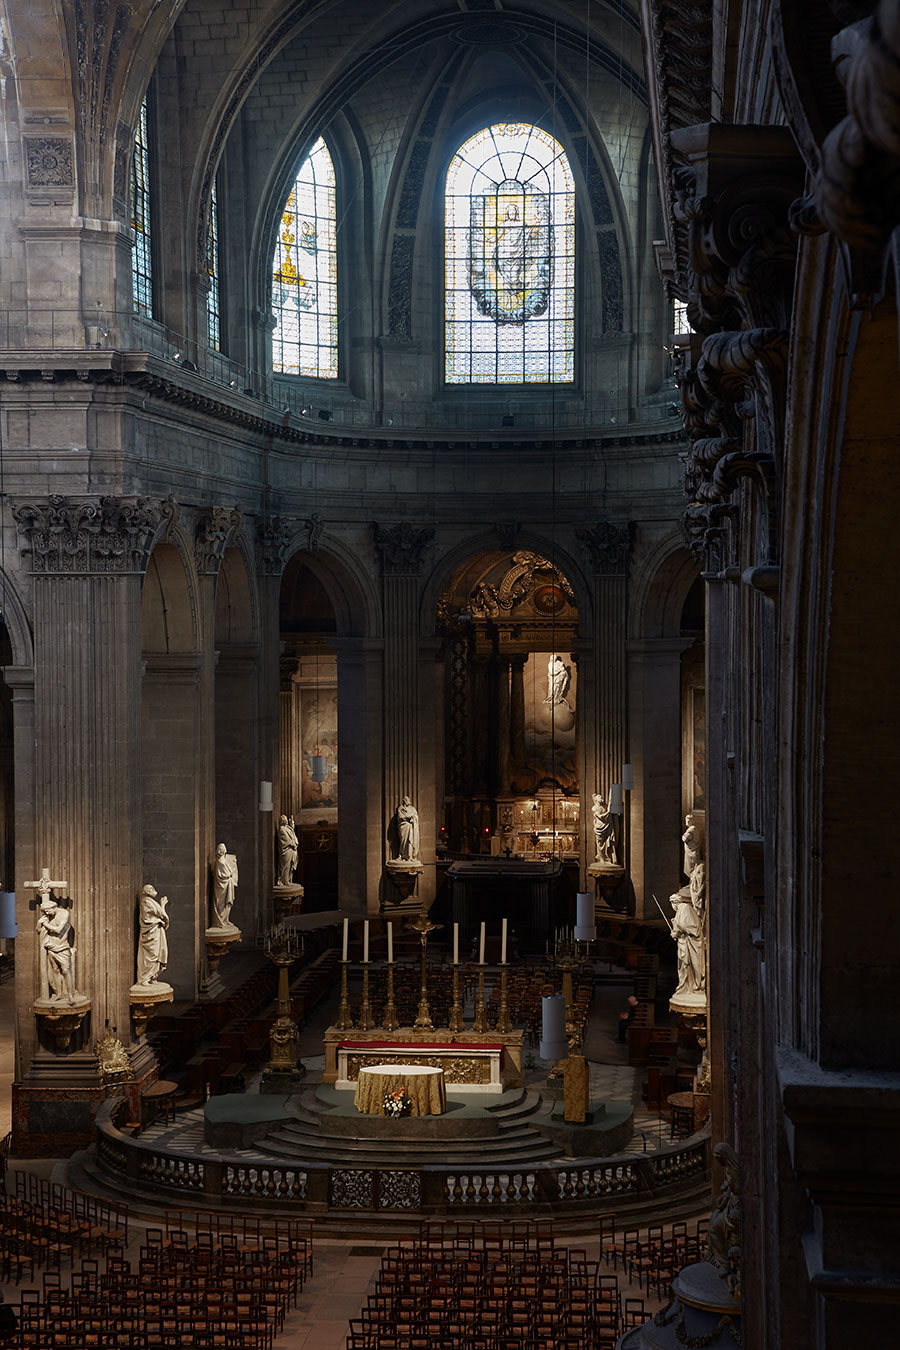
x=480, y=1023
x=344, y=1017
x=456, y=1015
x=283, y=946
x=366, y=1020
x=389, y=1020
x=422, y=925
x=503, y=1019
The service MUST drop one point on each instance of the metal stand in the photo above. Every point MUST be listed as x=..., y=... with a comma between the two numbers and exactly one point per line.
x=456, y=1014
x=366, y=1020
x=344, y=1017
x=423, y=926
x=389, y=1021
x=503, y=1022
x=481, y=1022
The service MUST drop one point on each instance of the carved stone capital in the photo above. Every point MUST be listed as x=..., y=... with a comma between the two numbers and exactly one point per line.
x=608, y=547
x=314, y=527
x=709, y=533
x=66, y=537
x=216, y=527
x=402, y=548
x=273, y=537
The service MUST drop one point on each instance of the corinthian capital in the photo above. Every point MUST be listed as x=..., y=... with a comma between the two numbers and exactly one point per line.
x=216, y=527
x=402, y=548
x=105, y=534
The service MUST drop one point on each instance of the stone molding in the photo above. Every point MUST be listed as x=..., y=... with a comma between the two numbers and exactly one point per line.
x=608, y=547
x=273, y=538
x=402, y=548
x=106, y=535
x=216, y=527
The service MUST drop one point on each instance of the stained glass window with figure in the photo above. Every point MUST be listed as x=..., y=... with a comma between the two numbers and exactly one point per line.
x=304, y=273
x=509, y=213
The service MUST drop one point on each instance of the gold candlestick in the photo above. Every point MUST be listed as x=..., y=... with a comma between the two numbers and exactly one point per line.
x=423, y=926
x=481, y=1022
x=456, y=1016
x=345, y=1017
x=366, y=1020
x=389, y=1021
x=503, y=1022
x=284, y=1036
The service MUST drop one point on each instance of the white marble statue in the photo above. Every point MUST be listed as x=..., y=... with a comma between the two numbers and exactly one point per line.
x=56, y=938
x=693, y=845
x=153, y=945
x=697, y=886
x=604, y=830
x=225, y=880
x=406, y=830
x=687, y=930
x=559, y=677
x=288, y=845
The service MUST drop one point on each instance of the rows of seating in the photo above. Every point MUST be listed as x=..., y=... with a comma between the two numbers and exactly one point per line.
x=43, y=1224
x=653, y=1257
x=508, y=1287
x=192, y=1288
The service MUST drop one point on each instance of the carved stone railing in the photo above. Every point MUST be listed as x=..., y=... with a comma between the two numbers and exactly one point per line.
x=558, y=1187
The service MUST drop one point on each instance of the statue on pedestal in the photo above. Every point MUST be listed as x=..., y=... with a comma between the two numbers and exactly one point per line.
x=405, y=832
x=56, y=937
x=153, y=946
x=288, y=846
x=225, y=880
x=693, y=845
x=687, y=930
x=604, y=830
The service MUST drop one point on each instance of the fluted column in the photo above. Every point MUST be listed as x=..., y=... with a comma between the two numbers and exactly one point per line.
x=87, y=560
x=273, y=536
x=402, y=551
x=503, y=725
x=517, y=714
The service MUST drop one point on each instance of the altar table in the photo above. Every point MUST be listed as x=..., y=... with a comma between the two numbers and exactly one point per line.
x=424, y=1085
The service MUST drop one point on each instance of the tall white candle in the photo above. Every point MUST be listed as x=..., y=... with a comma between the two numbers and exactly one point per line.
x=503, y=944
x=365, y=941
x=346, y=931
x=390, y=943
x=456, y=944
x=481, y=948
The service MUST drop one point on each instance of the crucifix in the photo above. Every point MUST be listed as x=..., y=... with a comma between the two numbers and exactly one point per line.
x=45, y=885
x=54, y=931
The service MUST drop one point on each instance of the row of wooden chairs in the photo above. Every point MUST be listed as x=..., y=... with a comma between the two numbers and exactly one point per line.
x=95, y=1222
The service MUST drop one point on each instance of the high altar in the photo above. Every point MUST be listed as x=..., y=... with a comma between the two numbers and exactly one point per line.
x=476, y=1061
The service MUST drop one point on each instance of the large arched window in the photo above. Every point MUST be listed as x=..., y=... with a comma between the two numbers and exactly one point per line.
x=304, y=273
x=510, y=259
x=142, y=256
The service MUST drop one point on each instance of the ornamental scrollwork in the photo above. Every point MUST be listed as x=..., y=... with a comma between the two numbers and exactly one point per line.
x=608, y=546
x=108, y=534
x=273, y=538
x=216, y=527
x=402, y=548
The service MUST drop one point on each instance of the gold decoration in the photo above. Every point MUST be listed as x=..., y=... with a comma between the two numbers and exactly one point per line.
x=457, y=1068
x=423, y=926
x=113, y=1064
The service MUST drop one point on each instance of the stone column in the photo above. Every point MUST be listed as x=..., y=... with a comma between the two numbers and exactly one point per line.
x=503, y=725
x=517, y=713
x=273, y=536
x=361, y=804
x=20, y=679
x=87, y=560
x=655, y=751
x=402, y=551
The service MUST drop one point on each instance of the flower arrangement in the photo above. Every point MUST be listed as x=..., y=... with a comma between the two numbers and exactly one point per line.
x=396, y=1102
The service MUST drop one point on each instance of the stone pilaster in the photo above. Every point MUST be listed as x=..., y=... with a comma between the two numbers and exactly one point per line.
x=503, y=725
x=273, y=537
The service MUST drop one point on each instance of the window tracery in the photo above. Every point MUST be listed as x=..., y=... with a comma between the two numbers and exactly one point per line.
x=141, y=258
x=304, y=273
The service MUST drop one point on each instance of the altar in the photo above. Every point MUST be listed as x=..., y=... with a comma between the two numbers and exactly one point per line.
x=483, y=1062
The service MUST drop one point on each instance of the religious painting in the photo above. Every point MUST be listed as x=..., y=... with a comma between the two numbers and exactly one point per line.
x=550, y=683
x=510, y=258
x=698, y=748
x=318, y=738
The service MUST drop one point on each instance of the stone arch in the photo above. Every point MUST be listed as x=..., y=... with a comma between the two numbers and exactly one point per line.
x=17, y=622
x=659, y=588
x=169, y=618
x=351, y=589
x=236, y=601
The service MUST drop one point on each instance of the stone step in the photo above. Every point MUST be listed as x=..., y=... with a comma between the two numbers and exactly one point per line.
x=516, y=1151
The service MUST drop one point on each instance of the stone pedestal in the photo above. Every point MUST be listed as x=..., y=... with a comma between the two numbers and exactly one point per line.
x=219, y=942
x=62, y=1019
x=702, y=1313
x=404, y=875
x=145, y=1000
x=576, y=1089
x=286, y=900
x=607, y=878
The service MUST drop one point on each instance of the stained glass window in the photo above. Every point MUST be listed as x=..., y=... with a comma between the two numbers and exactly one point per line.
x=510, y=259
x=213, y=325
x=141, y=260
x=304, y=273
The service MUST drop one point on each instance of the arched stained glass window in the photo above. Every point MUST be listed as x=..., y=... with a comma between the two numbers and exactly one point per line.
x=510, y=259
x=141, y=257
x=213, y=298
x=304, y=273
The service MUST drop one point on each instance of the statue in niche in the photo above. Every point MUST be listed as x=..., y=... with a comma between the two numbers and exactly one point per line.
x=288, y=845
x=56, y=938
x=153, y=945
x=405, y=833
x=559, y=677
x=225, y=880
x=687, y=930
x=693, y=845
x=604, y=830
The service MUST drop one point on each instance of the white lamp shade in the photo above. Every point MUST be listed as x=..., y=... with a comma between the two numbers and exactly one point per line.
x=615, y=799
x=554, y=1044
x=8, y=926
x=318, y=769
x=265, y=796
x=628, y=777
x=585, y=928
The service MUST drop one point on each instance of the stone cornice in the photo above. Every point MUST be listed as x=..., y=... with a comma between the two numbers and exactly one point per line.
x=160, y=379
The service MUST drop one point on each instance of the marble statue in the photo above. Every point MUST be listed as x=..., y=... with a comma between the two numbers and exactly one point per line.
x=406, y=821
x=153, y=945
x=225, y=880
x=604, y=830
x=56, y=938
x=693, y=845
x=687, y=930
x=697, y=887
x=559, y=677
x=287, y=851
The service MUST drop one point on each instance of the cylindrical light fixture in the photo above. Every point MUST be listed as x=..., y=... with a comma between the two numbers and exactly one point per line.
x=616, y=800
x=317, y=773
x=628, y=777
x=585, y=928
x=554, y=1044
x=265, y=796
x=8, y=925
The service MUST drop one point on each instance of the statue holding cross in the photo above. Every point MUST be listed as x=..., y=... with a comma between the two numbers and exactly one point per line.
x=56, y=939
